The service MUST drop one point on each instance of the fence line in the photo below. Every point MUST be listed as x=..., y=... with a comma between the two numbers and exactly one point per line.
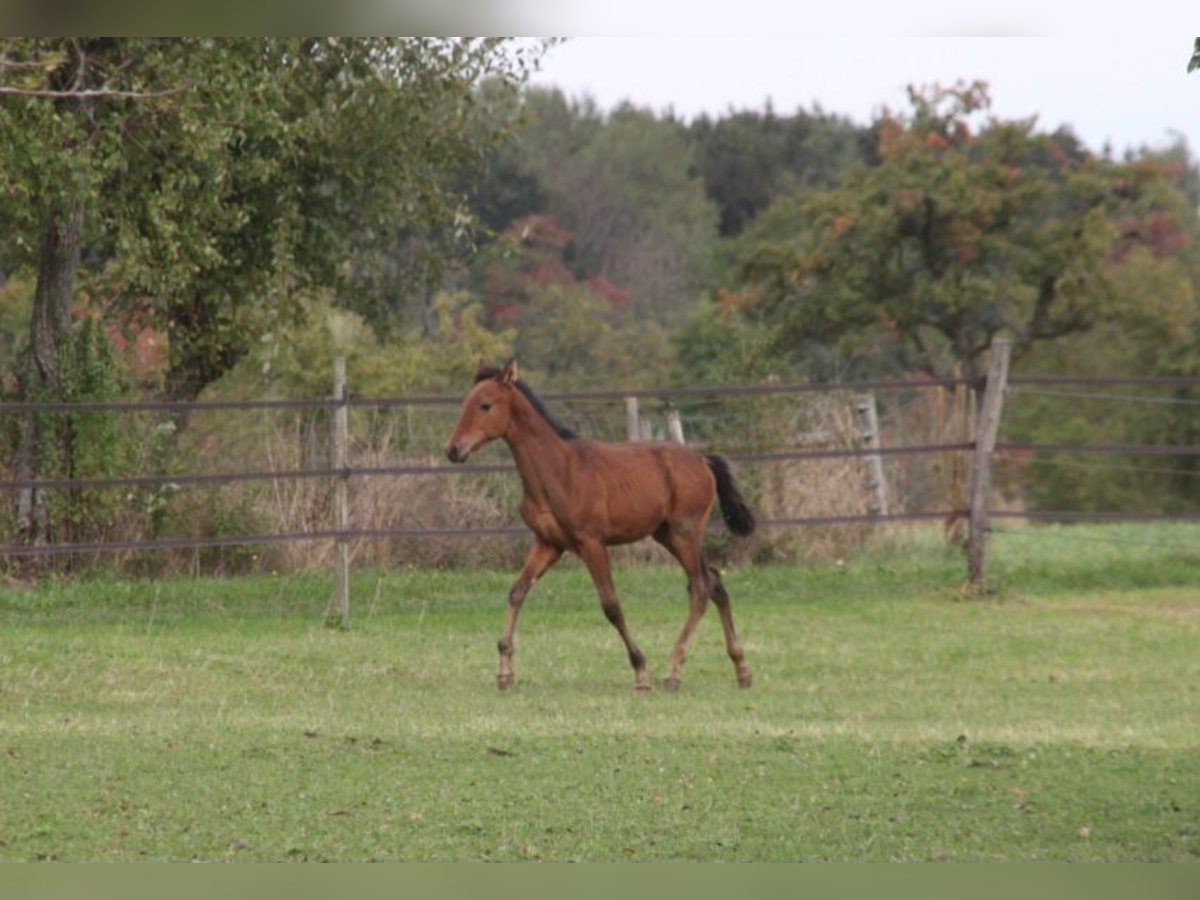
x=1109, y=539
x=1107, y=380
x=1044, y=515
x=1003, y=450
x=342, y=402
x=1017, y=381
x=1121, y=449
x=847, y=452
x=10, y=406
x=45, y=484
x=374, y=471
x=1123, y=398
x=1098, y=467
x=353, y=534
x=454, y=400
x=664, y=393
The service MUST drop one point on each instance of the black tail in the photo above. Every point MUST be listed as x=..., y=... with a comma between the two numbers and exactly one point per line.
x=734, y=510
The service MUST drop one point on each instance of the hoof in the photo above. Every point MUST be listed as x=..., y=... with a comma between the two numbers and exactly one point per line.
x=744, y=681
x=642, y=687
x=671, y=684
x=504, y=682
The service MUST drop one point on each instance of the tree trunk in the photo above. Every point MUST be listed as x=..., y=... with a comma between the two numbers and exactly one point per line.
x=197, y=357
x=40, y=374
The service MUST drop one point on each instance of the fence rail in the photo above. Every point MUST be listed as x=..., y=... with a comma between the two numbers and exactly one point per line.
x=453, y=400
x=340, y=474
x=1121, y=449
x=13, y=484
x=354, y=534
x=664, y=393
x=1002, y=449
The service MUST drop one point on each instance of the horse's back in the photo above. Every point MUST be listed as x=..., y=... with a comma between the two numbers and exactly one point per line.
x=663, y=462
x=648, y=483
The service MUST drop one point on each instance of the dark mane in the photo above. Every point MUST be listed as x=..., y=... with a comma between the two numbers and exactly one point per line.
x=560, y=429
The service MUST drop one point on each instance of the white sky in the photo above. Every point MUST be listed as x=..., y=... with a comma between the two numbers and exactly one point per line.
x=1113, y=72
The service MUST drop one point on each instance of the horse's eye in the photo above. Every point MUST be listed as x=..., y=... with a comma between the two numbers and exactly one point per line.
x=485, y=406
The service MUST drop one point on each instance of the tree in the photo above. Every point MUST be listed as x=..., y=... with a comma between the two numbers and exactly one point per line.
x=510, y=187
x=748, y=158
x=225, y=177
x=718, y=345
x=1154, y=330
x=959, y=234
x=622, y=187
x=569, y=330
x=205, y=186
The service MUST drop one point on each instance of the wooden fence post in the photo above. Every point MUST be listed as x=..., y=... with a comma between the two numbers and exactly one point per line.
x=987, y=426
x=868, y=416
x=341, y=503
x=675, y=426
x=633, y=422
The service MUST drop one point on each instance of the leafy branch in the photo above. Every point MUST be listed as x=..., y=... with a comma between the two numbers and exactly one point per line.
x=96, y=93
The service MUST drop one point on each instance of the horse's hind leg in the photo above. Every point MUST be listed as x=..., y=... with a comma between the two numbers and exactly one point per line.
x=721, y=598
x=540, y=557
x=685, y=547
x=595, y=557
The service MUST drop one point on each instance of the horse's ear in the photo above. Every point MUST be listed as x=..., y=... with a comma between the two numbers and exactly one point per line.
x=508, y=374
x=481, y=370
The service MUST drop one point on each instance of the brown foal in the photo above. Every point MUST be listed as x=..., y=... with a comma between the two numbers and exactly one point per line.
x=584, y=496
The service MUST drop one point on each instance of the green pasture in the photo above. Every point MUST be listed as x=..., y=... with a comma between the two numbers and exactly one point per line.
x=893, y=716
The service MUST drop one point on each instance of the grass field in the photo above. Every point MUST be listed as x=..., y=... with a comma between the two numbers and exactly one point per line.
x=892, y=717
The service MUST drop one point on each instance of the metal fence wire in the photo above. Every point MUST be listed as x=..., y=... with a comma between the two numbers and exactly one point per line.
x=670, y=397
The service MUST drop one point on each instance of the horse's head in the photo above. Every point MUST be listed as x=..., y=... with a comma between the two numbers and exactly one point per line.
x=486, y=411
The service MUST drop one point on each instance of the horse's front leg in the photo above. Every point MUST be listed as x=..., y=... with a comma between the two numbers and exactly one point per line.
x=595, y=556
x=541, y=556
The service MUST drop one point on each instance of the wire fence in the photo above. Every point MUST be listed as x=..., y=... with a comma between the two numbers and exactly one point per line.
x=1031, y=385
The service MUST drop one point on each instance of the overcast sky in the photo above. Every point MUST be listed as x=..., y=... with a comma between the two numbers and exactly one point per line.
x=1115, y=75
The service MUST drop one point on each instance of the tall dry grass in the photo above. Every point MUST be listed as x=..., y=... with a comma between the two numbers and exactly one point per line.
x=813, y=488
x=392, y=503
x=787, y=490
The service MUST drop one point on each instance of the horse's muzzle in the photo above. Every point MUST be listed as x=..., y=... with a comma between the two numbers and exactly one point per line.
x=454, y=455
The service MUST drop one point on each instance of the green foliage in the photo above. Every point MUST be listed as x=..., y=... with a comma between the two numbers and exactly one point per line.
x=86, y=444
x=570, y=330
x=573, y=337
x=297, y=360
x=227, y=178
x=623, y=188
x=1154, y=330
x=962, y=233
x=16, y=300
x=1130, y=416
x=510, y=187
x=718, y=345
x=748, y=159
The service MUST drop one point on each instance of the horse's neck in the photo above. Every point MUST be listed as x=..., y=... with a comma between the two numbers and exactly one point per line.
x=540, y=454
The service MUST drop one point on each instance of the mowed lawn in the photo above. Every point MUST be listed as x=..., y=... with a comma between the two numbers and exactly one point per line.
x=892, y=716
